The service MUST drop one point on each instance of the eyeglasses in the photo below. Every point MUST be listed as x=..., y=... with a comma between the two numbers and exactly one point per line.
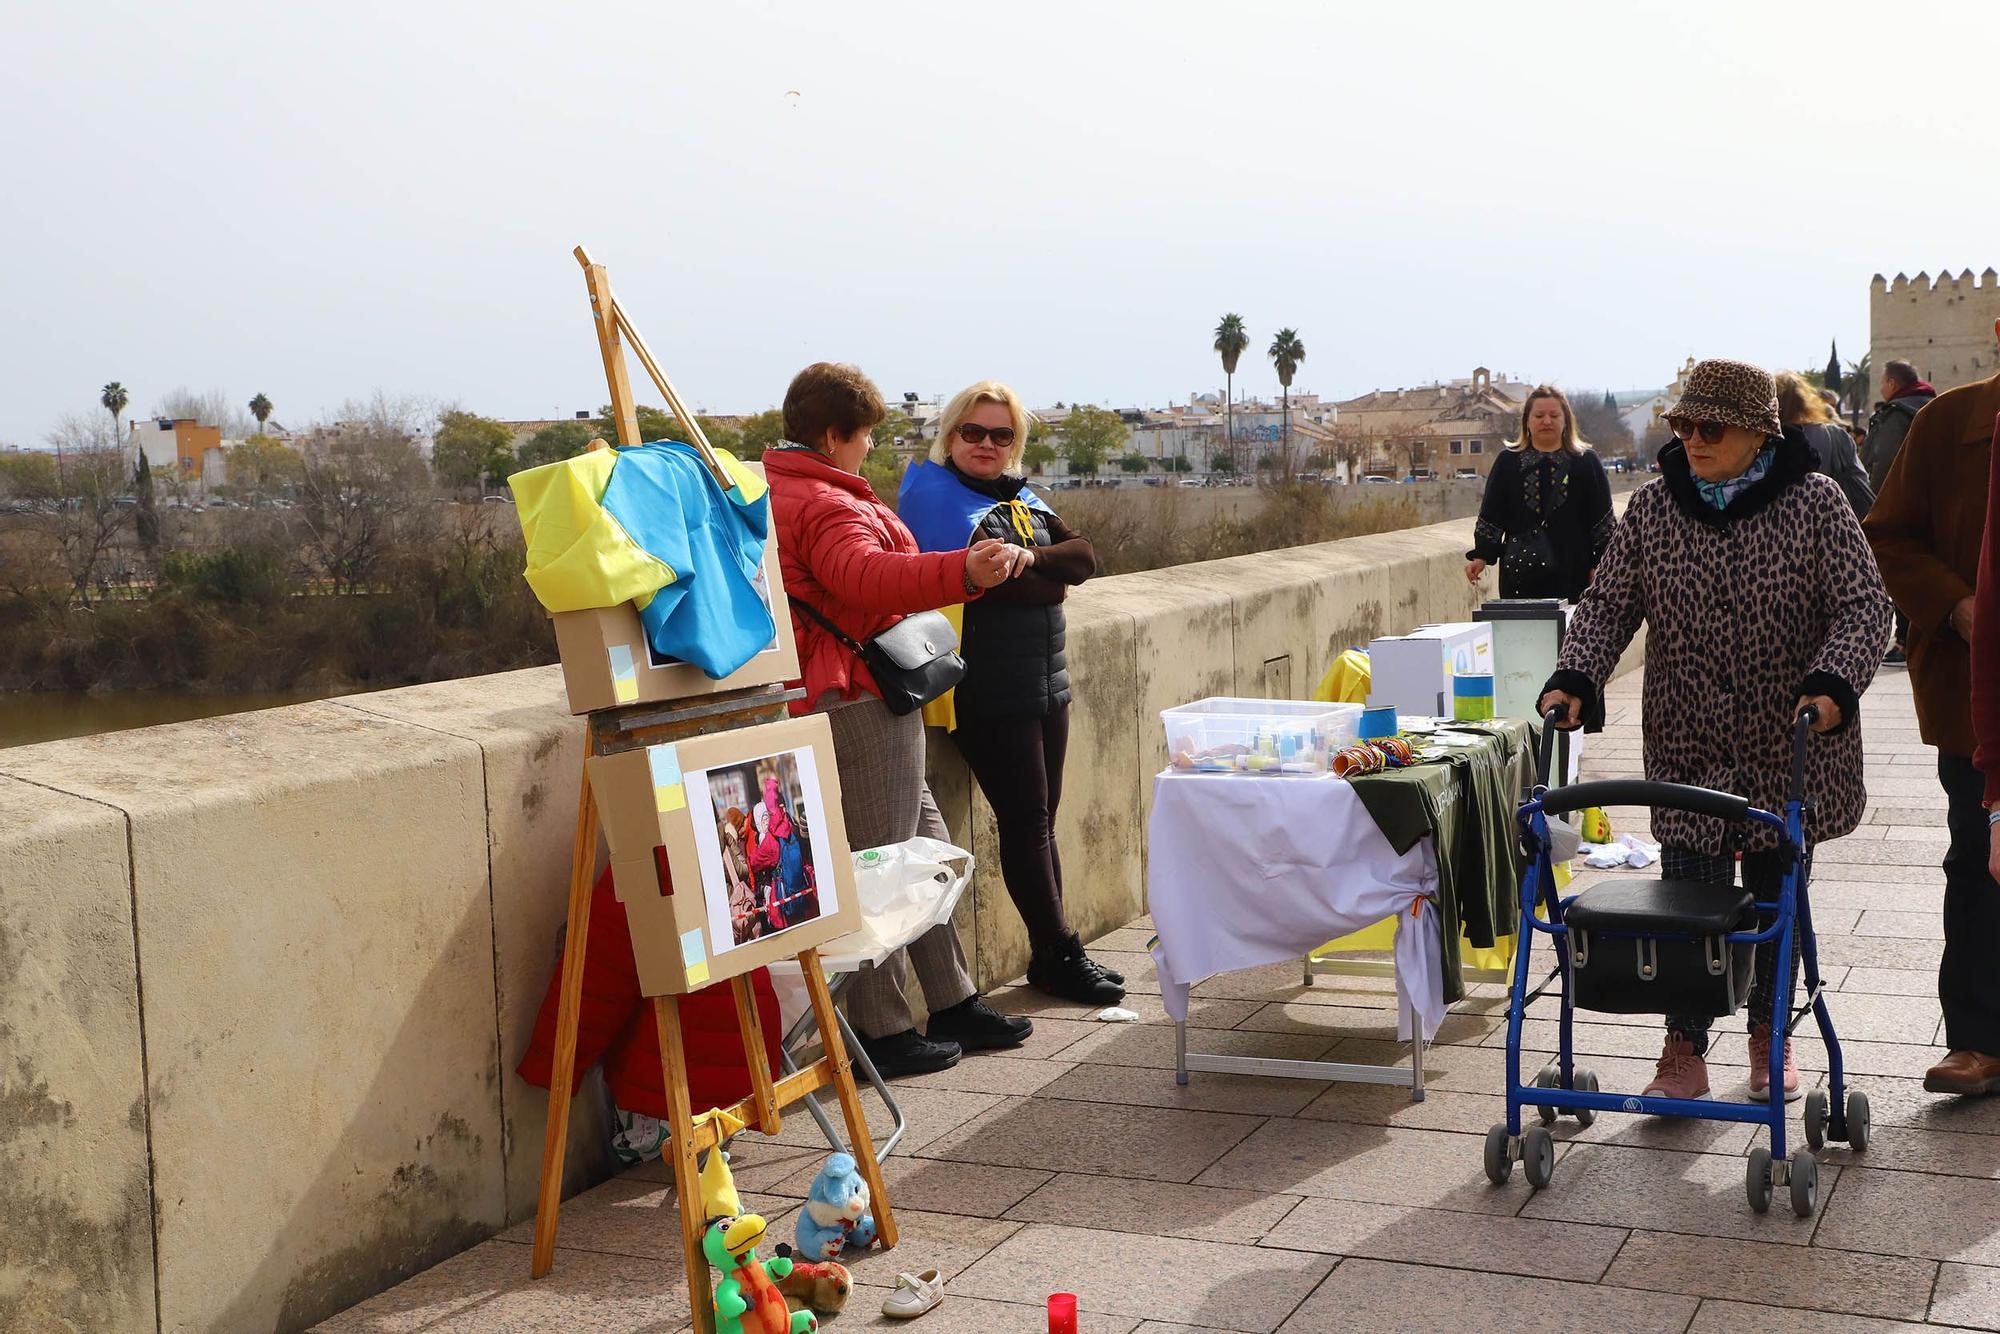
x=972, y=433
x=1710, y=432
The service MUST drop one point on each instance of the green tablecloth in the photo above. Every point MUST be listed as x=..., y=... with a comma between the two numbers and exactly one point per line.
x=1464, y=798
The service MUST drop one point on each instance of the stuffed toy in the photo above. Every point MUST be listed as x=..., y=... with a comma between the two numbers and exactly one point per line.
x=747, y=1300
x=821, y=1286
x=836, y=1212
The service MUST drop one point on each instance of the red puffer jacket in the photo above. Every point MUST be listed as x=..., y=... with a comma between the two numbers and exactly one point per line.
x=849, y=557
x=616, y=1025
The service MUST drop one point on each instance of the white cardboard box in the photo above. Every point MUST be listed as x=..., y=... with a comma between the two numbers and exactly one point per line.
x=1414, y=671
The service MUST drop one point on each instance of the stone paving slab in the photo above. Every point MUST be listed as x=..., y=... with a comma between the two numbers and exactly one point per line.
x=1255, y=1204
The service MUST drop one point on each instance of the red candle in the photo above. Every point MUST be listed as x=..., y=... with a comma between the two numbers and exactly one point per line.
x=1062, y=1313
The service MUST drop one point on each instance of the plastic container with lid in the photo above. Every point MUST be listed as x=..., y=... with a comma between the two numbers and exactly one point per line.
x=1258, y=736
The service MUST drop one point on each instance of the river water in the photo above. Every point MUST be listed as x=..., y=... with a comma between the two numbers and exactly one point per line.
x=30, y=716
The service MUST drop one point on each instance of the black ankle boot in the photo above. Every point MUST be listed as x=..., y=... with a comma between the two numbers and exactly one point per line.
x=1067, y=973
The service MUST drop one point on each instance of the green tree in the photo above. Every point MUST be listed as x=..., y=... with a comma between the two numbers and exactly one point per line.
x=29, y=475
x=469, y=448
x=1831, y=379
x=148, y=517
x=260, y=408
x=1091, y=435
x=114, y=398
x=1231, y=339
x=1134, y=463
x=1286, y=354
x=762, y=431
x=882, y=469
x=552, y=444
x=261, y=466
x=1038, y=455
x=897, y=425
x=1860, y=382
x=654, y=424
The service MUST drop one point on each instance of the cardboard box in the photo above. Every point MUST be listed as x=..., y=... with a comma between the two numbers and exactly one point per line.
x=663, y=808
x=607, y=661
x=1527, y=637
x=1414, y=671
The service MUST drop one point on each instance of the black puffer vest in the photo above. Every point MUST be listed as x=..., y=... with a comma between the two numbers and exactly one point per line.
x=1015, y=664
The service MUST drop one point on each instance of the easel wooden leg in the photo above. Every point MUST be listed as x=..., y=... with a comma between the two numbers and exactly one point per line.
x=842, y=1069
x=687, y=1180
x=555, y=1143
x=755, y=1057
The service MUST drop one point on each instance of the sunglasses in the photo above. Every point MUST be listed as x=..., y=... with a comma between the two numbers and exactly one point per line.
x=972, y=433
x=1710, y=432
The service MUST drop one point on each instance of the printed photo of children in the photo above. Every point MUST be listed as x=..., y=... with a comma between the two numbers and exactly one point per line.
x=764, y=833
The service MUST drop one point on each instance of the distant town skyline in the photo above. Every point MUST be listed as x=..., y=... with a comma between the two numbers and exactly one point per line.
x=318, y=206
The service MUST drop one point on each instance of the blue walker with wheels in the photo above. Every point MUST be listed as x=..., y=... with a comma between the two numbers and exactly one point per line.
x=1665, y=947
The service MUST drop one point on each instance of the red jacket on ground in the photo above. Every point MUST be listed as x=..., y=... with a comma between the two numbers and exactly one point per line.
x=1986, y=635
x=616, y=1025
x=848, y=556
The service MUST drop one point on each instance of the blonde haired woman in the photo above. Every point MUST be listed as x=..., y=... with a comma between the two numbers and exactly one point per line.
x=1010, y=715
x=1801, y=405
x=1546, y=516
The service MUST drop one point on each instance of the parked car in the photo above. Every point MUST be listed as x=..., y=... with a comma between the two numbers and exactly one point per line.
x=1377, y=479
x=1466, y=475
x=1421, y=475
x=1190, y=481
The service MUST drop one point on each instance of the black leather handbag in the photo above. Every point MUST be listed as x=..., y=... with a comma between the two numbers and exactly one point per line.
x=913, y=661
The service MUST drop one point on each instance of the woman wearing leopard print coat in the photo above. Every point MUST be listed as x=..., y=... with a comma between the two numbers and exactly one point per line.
x=1759, y=595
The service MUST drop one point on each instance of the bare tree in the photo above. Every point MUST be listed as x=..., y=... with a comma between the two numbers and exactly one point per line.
x=212, y=408
x=364, y=486
x=87, y=514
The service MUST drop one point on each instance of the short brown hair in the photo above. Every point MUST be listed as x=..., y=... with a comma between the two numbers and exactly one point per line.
x=829, y=396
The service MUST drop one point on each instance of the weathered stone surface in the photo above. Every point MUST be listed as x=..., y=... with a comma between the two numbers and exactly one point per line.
x=317, y=948
x=76, y=1238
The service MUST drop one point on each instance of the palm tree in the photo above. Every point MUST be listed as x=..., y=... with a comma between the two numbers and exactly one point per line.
x=1231, y=339
x=1860, y=382
x=1286, y=354
x=114, y=399
x=260, y=408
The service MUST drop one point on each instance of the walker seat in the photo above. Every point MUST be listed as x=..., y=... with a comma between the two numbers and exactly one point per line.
x=1661, y=947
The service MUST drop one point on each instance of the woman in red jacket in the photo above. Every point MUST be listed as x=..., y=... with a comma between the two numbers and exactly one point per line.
x=847, y=556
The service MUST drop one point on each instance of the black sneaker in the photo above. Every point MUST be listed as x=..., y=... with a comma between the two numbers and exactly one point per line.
x=976, y=1026
x=1895, y=657
x=1070, y=974
x=910, y=1053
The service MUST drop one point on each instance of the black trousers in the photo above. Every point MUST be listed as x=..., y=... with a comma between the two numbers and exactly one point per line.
x=1019, y=765
x=1968, y=983
x=1763, y=876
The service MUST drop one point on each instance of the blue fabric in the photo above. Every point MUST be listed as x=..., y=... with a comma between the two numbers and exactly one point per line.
x=1719, y=494
x=941, y=511
x=669, y=503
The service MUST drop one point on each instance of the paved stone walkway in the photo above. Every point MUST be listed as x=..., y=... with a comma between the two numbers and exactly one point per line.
x=1257, y=1204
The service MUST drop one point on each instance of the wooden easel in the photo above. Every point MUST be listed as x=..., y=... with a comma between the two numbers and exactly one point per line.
x=632, y=726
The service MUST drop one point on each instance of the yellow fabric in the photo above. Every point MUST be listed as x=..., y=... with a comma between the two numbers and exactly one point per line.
x=943, y=711
x=580, y=557
x=1346, y=682
x=718, y=1184
x=749, y=485
x=1382, y=936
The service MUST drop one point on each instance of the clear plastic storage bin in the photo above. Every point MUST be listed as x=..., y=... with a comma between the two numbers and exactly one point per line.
x=1258, y=736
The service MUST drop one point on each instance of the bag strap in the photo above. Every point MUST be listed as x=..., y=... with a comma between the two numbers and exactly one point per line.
x=828, y=626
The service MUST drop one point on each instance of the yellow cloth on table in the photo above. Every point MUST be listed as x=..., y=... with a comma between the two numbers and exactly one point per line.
x=1346, y=682
x=1382, y=936
x=718, y=1185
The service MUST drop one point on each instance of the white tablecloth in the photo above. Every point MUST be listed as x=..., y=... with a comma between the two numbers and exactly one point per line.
x=1245, y=871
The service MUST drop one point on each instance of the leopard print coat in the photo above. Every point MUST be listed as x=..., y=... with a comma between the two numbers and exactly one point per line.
x=1746, y=609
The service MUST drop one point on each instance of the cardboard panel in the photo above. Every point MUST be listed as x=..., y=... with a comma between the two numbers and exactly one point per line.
x=686, y=933
x=607, y=662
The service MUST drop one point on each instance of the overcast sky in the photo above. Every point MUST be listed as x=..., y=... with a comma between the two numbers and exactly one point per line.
x=318, y=201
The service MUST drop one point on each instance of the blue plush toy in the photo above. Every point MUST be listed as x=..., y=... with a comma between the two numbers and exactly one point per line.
x=836, y=1212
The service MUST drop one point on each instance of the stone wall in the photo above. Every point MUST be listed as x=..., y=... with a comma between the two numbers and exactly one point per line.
x=264, y=978
x=1944, y=329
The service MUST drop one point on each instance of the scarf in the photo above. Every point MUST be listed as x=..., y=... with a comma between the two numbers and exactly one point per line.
x=1719, y=494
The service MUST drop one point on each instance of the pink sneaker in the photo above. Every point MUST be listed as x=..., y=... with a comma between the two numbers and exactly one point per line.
x=1760, y=1066
x=1681, y=1073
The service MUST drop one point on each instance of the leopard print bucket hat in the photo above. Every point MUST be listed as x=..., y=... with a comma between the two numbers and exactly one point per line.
x=1734, y=393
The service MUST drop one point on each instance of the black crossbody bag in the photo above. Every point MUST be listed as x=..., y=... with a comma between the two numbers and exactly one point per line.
x=913, y=662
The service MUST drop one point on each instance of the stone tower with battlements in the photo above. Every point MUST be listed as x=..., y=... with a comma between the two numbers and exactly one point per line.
x=1944, y=329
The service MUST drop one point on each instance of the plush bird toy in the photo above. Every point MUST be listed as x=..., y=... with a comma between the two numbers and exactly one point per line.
x=747, y=1300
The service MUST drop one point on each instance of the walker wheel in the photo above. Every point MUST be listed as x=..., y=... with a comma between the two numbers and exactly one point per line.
x=1586, y=1082
x=1857, y=1121
x=1499, y=1158
x=1538, y=1156
x=1547, y=1078
x=1805, y=1183
x=1757, y=1179
x=1816, y=1119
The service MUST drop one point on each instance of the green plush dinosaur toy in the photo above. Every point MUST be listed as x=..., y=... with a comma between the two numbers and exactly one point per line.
x=747, y=1301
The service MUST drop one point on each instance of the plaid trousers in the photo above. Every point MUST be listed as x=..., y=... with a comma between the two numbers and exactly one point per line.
x=883, y=794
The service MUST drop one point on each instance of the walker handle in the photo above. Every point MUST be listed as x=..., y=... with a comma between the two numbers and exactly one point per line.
x=1801, y=734
x=1546, y=750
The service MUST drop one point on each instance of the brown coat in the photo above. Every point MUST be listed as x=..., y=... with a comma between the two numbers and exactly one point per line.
x=1925, y=528
x=1746, y=610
